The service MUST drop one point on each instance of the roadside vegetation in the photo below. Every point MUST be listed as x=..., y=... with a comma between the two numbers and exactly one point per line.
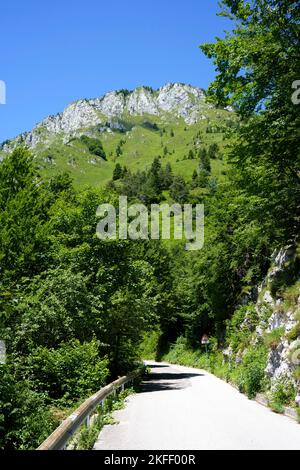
x=75, y=310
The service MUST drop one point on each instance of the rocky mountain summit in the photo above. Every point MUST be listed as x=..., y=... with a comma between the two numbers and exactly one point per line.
x=183, y=101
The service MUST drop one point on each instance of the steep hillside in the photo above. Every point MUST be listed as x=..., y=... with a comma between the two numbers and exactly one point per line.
x=129, y=127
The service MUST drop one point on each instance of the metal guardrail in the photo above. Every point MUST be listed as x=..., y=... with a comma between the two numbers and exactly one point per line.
x=61, y=436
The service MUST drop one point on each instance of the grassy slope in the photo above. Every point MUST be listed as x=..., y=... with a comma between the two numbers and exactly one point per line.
x=141, y=146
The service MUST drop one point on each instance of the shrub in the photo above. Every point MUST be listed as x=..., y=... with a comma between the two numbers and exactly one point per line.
x=148, y=347
x=24, y=418
x=239, y=332
x=283, y=392
x=276, y=407
x=273, y=338
x=250, y=375
x=72, y=371
x=94, y=146
x=295, y=332
x=291, y=295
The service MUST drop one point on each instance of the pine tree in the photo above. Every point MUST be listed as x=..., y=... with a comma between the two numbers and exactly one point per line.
x=204, y=160
x=202, y=178
x=178, y=190
x=213, y=151
x=168, y=176
x=118, y=172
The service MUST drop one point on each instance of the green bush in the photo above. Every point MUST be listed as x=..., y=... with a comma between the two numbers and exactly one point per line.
x=249, y=376
x=71, y=372
x=148, y=347
x=24, y=413
x=273, y=338
x=276, y=407
x=283, y=392
x=94, y=146
x=239, y=332
x=295, y=332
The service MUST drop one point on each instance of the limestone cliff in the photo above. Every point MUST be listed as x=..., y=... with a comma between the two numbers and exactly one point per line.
x=183, y=101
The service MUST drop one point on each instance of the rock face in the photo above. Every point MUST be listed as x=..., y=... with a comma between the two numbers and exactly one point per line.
x=183, y=101
x=274, y=319
x=284, y=357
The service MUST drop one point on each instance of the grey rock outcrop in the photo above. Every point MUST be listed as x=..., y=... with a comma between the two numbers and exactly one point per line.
x=183, y=101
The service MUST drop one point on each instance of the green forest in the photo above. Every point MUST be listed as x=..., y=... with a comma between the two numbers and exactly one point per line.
x=77, y=312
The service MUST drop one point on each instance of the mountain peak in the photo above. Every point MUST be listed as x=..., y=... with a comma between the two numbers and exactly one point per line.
x=179, y=99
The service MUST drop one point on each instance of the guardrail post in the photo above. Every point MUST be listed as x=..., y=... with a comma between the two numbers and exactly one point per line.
x=88, y=421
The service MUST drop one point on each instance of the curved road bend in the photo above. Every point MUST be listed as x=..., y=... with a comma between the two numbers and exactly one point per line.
x=189, y=409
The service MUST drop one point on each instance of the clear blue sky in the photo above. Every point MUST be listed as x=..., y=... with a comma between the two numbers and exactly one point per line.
x=54, y=52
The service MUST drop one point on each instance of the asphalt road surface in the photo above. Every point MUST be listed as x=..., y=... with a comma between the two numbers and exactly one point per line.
x=189, y=409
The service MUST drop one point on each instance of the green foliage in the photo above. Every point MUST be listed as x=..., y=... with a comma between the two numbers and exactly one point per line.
x=250, y=376
x=94, y=146
x=148, y=347
x=257, y=63
x=273, y=338
x=144, y=142
x=241, y=326
x=118, y=173
x=285, y=277
x=57, y=307
x=276, y=407
x=294, y=333
x=178, y=190
x=23, y=217
x=70, y=372
x=150, y=125
x=213, y=151
x=283, y=392
x=204, y=157
x=119, y=150
x=80, y=307
x=290, y=297
x=191, y=155
x=71, y=303
x=148, y=186
x=124, y=91
x=25, y=419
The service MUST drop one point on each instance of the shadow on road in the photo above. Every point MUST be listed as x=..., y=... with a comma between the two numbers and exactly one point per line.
x=160, y=381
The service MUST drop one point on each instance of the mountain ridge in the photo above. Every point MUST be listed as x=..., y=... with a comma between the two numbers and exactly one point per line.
x=183, y=100
x=132, y=127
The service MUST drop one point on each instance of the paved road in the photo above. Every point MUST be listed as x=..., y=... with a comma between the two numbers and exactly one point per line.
x=185, y=408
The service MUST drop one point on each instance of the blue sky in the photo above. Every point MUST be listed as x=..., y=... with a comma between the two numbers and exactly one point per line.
x=59, y=51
